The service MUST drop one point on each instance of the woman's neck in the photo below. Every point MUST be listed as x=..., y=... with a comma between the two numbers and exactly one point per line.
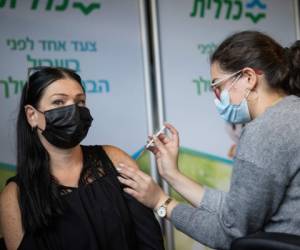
x=66, y=165
x=65, y=158
x=61, y=158
x=264, y=101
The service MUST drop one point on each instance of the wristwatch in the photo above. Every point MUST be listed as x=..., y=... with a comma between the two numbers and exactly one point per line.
x=162, y=209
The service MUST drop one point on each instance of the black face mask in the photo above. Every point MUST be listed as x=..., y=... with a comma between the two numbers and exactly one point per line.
x=66, y=127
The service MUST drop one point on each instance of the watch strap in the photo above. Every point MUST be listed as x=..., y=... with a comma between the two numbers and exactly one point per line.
x=167, y=202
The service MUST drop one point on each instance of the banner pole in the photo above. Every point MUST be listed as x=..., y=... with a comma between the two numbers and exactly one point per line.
x=297, y=20
x=147, y=80
x=169, y=232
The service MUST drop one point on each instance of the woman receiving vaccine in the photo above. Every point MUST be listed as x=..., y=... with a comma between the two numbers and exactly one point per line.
x=66, y=196
x=255, y=81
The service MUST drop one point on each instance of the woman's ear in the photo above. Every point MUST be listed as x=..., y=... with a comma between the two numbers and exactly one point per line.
x=31, y=115
x=251, y=78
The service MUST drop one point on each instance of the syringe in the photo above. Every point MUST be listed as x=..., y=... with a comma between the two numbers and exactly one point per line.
x=150, y=143
x=157, y=134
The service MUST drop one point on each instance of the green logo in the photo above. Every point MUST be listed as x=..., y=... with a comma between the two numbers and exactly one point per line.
x=255, y=10
x=86, y=9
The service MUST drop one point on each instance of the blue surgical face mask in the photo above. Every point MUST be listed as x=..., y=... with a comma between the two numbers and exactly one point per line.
x=233, y=113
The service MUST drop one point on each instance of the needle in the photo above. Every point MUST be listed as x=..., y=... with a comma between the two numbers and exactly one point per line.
x=149, y=143
x=157, y=134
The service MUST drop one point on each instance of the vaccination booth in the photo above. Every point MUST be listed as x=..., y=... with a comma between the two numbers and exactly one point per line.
x=142, y=63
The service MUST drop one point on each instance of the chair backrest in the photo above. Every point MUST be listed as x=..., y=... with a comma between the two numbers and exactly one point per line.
x=267, y=241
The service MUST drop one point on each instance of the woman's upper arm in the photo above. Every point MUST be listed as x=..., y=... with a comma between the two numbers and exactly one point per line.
x=148, y=232
x=10, y=216
x=118, y=156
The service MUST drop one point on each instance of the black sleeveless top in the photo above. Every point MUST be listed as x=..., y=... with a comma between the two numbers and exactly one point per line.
x=98, y=214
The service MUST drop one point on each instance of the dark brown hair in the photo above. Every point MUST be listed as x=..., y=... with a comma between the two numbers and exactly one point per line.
x=39, y=196
x=257, y=50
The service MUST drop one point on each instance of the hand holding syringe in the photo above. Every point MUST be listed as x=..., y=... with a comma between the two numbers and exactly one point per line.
x=157, y=134
x=150, y=143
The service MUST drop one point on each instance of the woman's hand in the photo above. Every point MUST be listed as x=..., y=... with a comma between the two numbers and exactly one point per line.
x=141, y=186
x=166, y=150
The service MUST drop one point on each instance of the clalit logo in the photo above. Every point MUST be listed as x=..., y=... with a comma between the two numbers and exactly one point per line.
x=254, y=10
x=52, y=5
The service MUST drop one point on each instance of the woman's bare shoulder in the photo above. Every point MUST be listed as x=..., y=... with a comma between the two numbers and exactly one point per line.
x=10, y=216
x=9, y=193
x=118, y=156
x=9, y=203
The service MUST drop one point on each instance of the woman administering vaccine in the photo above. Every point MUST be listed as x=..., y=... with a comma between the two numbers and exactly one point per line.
x=257, y=82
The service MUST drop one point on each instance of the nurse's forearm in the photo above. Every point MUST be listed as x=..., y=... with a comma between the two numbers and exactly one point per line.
x=189, y=189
